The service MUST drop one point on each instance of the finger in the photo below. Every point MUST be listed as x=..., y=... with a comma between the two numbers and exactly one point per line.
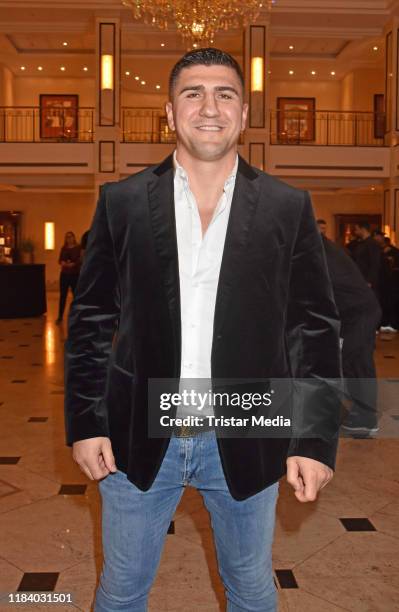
x=327, y=477
x=99, y=472
x=300, y=492
x=86, y=471
x=102, y=465
x=95, y=469
x=293, y=475
x=311, y=485
x=108, y=456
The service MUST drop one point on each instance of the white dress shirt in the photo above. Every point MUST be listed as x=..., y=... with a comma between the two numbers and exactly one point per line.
x=200, y=258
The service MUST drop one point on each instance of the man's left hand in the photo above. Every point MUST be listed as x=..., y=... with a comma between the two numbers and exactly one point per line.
x=307, y=476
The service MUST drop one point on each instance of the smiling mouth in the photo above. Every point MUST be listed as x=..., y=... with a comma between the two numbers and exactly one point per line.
x=210, y=128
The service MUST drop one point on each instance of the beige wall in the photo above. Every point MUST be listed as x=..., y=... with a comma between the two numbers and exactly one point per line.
x=347, y=92
x=354, y=92
x=366, y=84
x=132, y=99
x=359, y=87
x=327, y=94
x=27, y=89
x=326, y=206
x=68, y=212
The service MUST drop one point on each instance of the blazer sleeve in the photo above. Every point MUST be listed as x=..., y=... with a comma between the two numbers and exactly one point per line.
x=312, y=334
x=92, y=323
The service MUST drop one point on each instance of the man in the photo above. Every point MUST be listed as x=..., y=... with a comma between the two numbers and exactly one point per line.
x=360, y=313
x=211, y=269
x=367, y=255
x=388, y=283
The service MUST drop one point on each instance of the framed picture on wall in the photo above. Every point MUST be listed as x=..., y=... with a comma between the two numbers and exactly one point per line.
x=59, y=116
x=296, y=120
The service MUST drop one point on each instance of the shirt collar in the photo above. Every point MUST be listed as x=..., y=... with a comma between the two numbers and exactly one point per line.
x=181, y=173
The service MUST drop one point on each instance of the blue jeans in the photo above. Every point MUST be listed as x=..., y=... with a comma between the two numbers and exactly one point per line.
x=135, y=523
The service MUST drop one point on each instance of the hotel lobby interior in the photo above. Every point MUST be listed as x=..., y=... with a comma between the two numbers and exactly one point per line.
x=83, y=86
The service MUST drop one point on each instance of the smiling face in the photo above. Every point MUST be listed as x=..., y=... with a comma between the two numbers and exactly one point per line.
x=207, y=111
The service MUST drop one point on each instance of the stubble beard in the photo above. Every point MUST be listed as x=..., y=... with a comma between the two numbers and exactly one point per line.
x=207, y=151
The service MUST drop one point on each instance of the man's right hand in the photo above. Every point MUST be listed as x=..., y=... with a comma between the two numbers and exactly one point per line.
x=94, y=457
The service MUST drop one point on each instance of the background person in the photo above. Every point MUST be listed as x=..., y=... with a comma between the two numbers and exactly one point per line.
x=360, y=313
x=389, y=283
x=69, y=261
x=367, y=255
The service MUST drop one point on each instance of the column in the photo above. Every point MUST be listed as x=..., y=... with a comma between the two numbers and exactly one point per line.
x=390, y=213
x=391, y=32
x=391, y=187
x=6, y=100
x=6, y=86
x=257, y=83
x=107, y=120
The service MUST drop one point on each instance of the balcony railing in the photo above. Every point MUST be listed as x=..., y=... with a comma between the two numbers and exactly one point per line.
x=146, y=125
x=327, y=128
x=35, y=124
x=149, y=125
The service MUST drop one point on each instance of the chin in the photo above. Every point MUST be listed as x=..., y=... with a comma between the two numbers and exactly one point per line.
x=210, y=153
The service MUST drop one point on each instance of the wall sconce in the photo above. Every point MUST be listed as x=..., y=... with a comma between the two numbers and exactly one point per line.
x=257, y=74
x=49, y=236
x=107, y=72
x=387, y=230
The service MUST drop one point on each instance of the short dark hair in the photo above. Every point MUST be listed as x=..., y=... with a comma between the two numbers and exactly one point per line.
x=319, y=221
x=363, y=225
x=204, y=57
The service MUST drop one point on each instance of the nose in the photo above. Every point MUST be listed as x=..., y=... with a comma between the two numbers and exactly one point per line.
x=209, y=107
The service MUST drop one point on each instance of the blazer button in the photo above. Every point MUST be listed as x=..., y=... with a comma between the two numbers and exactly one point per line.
x=218, y=337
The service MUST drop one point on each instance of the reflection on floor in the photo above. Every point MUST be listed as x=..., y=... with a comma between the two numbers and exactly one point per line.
x=339, y=553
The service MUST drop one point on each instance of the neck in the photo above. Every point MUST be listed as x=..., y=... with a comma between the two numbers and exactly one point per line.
x=201, y=172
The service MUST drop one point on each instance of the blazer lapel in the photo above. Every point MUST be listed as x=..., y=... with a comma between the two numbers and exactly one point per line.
x=243, y=207
x=162, y=211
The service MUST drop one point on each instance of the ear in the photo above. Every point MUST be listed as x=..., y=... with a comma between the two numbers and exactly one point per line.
x=169, y=116
x=244, y=116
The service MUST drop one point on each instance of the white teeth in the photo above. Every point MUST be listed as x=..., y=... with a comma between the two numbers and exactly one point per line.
x=210, y=128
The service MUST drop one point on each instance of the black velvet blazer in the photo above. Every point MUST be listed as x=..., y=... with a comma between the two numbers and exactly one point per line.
x=275, y=316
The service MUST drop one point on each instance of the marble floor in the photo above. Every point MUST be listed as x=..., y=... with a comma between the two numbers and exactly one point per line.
x=338, y=553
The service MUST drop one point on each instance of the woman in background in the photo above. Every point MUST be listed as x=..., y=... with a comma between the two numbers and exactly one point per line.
x=69, y=261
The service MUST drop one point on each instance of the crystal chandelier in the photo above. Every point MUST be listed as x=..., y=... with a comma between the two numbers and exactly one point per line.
x=198, y=20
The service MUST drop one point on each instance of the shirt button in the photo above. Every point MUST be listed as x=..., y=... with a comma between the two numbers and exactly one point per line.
x=188, y=365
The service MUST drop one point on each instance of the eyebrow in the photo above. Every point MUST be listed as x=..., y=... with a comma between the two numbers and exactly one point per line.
x=217, y=88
